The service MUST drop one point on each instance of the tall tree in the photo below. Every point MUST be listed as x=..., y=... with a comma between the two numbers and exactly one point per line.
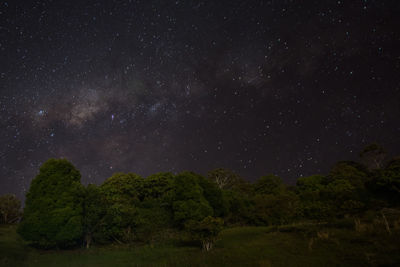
x=53, y=208
x=122, y=195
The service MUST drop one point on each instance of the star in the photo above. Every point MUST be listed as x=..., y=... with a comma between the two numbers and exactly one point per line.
x=261, y=87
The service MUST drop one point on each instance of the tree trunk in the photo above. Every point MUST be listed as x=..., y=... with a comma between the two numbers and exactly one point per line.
x=386, y=223
x=207, y=246
x=88, y=239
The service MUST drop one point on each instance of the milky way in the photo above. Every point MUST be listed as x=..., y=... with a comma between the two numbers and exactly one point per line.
x=284, y=87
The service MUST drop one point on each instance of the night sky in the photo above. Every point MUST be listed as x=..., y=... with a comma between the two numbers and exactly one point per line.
x=283, y=87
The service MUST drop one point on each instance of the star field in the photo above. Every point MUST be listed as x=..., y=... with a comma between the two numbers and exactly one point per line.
x=284, y=87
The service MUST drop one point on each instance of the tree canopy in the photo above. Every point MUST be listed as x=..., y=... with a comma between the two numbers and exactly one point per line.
x=53, y=206
x=125, y=208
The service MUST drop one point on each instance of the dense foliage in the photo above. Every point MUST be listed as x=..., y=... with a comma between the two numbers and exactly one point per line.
x=53, y=208
x=127, y=208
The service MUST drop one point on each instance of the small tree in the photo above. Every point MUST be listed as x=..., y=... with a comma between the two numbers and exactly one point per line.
x=206, y=231
x=10, y=209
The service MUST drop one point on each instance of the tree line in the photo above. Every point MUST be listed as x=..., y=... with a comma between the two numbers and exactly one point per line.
x=61, y=212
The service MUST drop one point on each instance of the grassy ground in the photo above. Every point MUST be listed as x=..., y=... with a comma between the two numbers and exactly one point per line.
x=244, y=246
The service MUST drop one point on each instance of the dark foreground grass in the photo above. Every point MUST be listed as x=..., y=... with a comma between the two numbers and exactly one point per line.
x=244, y=246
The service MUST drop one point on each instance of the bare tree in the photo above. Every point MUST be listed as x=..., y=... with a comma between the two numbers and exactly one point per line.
x=10, y=209
x=225, y=179
x=373, y=156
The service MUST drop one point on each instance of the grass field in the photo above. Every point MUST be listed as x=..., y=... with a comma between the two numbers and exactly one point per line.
x=242, y=246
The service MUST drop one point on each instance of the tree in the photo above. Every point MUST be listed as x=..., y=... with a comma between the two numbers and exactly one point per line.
x=153, y=219
x=269, y=184
x=394, y=164
x=311, y=190
x=225, y=179
x=310, y=183
x=206, y=231
x=10, y=209
x=240, y=208
x=189, y=202
x=275, y=209
x=155, y=210
x=122, y=194
x=373, y=156
x=344, y=197
x=53, y=208
x=350, y=171
x=213, y=194
x=94, y=211
x=385, y=183
x=158, y=186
